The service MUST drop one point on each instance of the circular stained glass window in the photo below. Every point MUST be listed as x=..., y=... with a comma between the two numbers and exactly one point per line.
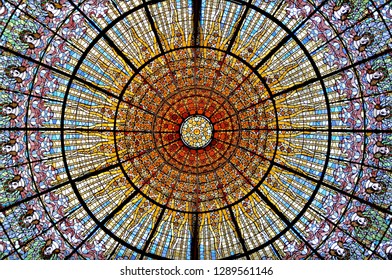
x=195, y=129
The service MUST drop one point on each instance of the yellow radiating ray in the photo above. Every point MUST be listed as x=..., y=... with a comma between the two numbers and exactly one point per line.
x=148, y=48
x=257, y=37
x=214, y=36
x=285, y=68
x=289, y=116
x=294, y=149
x=174, y=29
x=101, y=112
x=279, y=76
x=184, y=222
x=110, y=189
x=276, y=186
x=213, y=220
x=141, y=41
x=165, y=43
x=103, y=148
x=118, y=77
x=151, y=211
x=267, y=64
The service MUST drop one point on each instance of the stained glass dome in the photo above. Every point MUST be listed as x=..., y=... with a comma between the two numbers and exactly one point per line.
x=195, y=129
